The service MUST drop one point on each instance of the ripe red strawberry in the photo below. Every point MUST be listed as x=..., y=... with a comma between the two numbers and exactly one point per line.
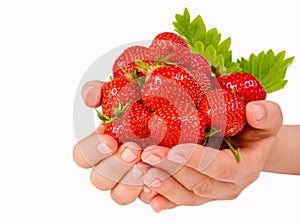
x=200, y=70
x=171, y=125
x=245, y=85
x=129, y=125
x=120, y=90
x=200, y=64
x=170, y=44
x=138, y=119
x=129, y=55
x=169, y=84
x=224, y=111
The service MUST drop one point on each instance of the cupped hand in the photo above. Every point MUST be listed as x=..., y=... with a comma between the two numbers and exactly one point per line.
x=178, y=176
x=118, y=169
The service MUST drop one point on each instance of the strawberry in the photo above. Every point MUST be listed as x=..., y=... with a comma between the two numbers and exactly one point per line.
x=170, y=44
x=224, y=111
x=129, y=55
x=200, y=70
x=138, y=119
x=120, y=90
x=245, y=85
x=167, y=84
x=130, y=124
x=200, y=64
x=171, y=125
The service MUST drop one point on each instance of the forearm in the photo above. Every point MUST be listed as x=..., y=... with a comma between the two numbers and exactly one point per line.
x=285, y=154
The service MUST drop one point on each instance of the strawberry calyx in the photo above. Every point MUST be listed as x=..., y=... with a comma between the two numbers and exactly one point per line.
x=146, y=67
x=130, y=75
x=218, y=70
x=233, y=90
x=140, y=81
x=118, y=112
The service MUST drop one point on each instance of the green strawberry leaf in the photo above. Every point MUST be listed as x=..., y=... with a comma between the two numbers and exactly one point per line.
x=268, y=68
x=207, y=43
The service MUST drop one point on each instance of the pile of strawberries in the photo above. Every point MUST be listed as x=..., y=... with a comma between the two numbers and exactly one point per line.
x=165, y=95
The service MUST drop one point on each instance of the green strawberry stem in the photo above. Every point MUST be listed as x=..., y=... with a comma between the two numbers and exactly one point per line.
x=236, y=152
x=209, y=133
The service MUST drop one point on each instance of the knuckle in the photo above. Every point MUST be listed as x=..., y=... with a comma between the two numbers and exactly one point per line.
x=227, y=173
x=202, y=188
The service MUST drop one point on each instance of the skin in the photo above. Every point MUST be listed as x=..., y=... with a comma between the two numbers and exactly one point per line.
x=177, y=176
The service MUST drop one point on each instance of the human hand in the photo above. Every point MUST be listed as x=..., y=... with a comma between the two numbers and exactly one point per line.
x=179, y=177
x=116, y=169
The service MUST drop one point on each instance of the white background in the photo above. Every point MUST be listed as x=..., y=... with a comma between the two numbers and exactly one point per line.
x=47, y=46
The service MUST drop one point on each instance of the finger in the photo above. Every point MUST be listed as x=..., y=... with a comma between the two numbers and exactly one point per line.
x=94, y=148
x=159, y=203
x=91, y=93
x=136, y=174
x=221, y=166
x=157, y=156
x=164, y=184
x=265, y=120
x=205, y=186
x=265, y=116
x=131, y=185
x=110, y=172
x=125, y=194
x=199, y=183
x=154, y=154
x=146, y=195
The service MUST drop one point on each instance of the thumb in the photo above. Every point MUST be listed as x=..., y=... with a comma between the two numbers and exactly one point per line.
x=91, y=93
x=264, y=115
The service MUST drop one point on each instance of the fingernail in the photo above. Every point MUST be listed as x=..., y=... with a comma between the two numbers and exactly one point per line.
x=152, y=159
x=152, y=182
x=128, y=155
x=85, y=90
x=147, y=190
x=104, y=149
x=137, y=172
x=151, y=179
x=91, y=95
x=259, y=112
x=155, y=183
